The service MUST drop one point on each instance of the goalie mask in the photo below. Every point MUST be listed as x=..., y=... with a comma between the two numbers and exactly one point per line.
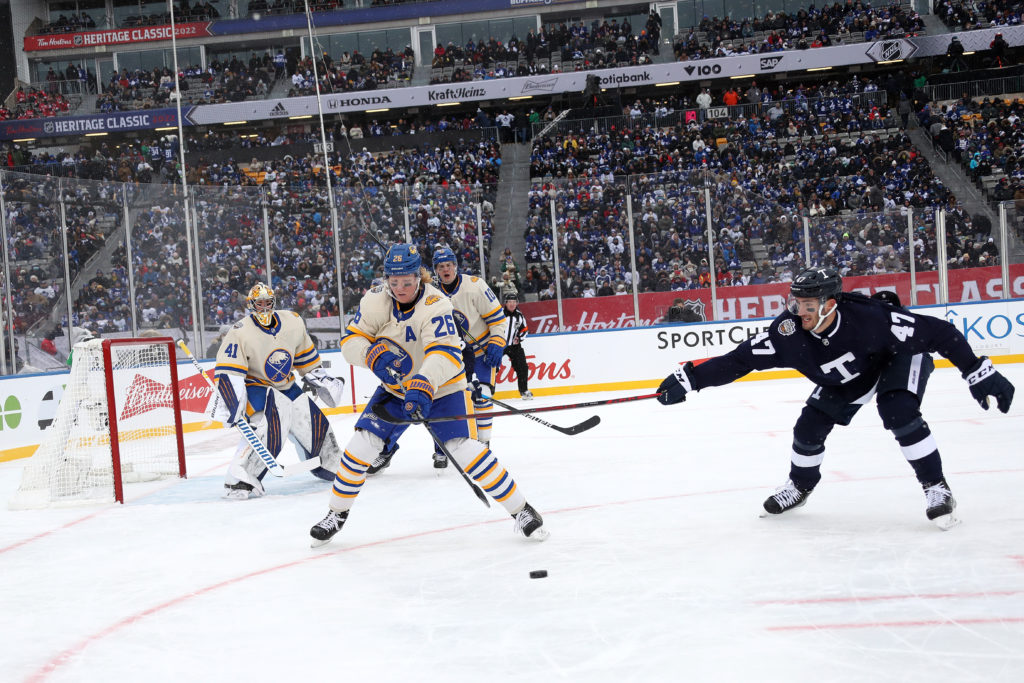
x=260, y=303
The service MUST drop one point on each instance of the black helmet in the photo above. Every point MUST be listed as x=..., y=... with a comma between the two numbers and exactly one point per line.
x=818, y=283
x=511, y=296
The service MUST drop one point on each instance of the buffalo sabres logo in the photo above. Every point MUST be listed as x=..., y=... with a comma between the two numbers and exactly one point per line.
x=278, y=365
x=787, y=327
x=432, y=299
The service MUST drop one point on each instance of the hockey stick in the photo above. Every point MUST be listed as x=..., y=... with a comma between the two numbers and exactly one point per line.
x=388, y=417
x=243, y=425
x=440, y=444
x=589, y=423
x=444, y=449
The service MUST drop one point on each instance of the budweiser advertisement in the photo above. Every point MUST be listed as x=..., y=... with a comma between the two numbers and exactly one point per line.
x=759, y=301
x=140, y=34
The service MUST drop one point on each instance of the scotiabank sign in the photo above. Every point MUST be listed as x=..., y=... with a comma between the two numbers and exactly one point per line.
x=67, y=41
x=761, y=301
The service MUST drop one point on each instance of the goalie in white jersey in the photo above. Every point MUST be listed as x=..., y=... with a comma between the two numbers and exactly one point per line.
x=405, y=333
x=257, y=365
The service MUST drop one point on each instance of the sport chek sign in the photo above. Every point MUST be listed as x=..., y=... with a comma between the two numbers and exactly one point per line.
x=66, y=41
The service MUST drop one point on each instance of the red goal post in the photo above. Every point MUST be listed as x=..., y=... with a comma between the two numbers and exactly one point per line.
x=134, y=410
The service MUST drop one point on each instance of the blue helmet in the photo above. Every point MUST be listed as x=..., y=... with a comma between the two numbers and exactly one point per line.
x=402, y=259
x=444, y=255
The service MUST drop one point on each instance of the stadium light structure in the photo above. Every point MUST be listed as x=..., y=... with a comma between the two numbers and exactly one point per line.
x=193, y=247
x=339, y=275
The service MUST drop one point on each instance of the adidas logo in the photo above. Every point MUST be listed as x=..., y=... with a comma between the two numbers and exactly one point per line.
x=279, y=110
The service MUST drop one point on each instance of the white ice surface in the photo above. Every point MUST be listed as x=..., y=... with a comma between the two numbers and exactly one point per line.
x=659, y=567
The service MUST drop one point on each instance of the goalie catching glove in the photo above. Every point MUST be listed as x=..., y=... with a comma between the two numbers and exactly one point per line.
x=673, y=389
x=328, y=389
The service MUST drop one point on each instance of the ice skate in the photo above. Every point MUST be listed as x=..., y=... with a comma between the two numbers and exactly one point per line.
x=530, y=524
x=941, y=505
x=241, y=491
x=324, y=530
x=526, y=395
x=440, y=461
x=786, y=497
x=381, y=462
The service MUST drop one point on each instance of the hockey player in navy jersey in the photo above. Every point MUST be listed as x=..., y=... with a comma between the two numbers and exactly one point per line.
x=852, y=347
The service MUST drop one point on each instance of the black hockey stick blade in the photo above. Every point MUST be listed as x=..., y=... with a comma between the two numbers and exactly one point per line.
x=589, y=423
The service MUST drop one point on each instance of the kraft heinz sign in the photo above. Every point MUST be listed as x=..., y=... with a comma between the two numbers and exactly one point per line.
x=64, y=41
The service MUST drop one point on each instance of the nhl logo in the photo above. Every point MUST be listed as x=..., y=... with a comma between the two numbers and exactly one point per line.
x=78, y=40
x=48, y=127
x=891, y=50
x=787, y=327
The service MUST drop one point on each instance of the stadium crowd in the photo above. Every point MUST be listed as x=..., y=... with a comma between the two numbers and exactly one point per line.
x=986, y=137
x=827, y=157
x=552, y=49
x=971, y=15
x=802, y=29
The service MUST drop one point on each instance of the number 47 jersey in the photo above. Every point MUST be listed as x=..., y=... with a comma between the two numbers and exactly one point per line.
x=849, y=354
x=427, y=334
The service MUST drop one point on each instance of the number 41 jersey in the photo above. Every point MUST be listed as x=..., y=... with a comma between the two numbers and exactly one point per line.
x=850, y=354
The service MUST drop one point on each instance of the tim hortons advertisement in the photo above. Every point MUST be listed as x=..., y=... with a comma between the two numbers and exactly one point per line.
x=65, y=41
x=758, y=301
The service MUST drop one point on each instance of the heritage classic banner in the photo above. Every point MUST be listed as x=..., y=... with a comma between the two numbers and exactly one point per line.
x=145, y=119
x=760, y=301
x=119, y=36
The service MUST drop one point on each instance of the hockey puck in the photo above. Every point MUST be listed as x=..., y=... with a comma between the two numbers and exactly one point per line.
x=538, y=573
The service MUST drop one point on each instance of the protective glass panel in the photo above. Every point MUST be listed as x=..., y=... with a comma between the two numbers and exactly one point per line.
x=164, y=300
x=234, y=256
x=38, y=281
x=1014, y=240
x=973, y=260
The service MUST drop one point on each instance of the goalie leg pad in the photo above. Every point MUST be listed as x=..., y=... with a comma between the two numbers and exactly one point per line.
x=477, y=460
x=246, y=467
x=360, y=451
x=311, y=432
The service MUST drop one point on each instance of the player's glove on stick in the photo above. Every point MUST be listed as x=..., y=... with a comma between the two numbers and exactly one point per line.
x=233, y=398
x=328, y=389
x=476, y=390
x=382, y=361
x=673, y=389
x=419, y=395
x=492, y=354
x=984, y=381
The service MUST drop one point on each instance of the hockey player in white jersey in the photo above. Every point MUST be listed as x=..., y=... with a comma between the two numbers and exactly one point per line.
x=482, y=326
x=257, y=366
x=405, y=333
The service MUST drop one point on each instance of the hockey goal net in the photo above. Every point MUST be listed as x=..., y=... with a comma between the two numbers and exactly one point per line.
x=119, y=421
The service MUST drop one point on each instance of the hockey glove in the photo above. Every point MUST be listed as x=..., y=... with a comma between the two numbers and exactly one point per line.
x=493, y=353
x=673, y=389
x=233, y=399
x=328, y=389
x=419, y=396
x=984, y=381
x=476, y=390
x=382, y=361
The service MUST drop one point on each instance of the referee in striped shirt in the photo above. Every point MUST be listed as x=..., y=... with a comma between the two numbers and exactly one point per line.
x=517, y=331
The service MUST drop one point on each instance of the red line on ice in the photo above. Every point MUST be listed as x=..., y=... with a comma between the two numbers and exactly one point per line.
x=896, y=624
